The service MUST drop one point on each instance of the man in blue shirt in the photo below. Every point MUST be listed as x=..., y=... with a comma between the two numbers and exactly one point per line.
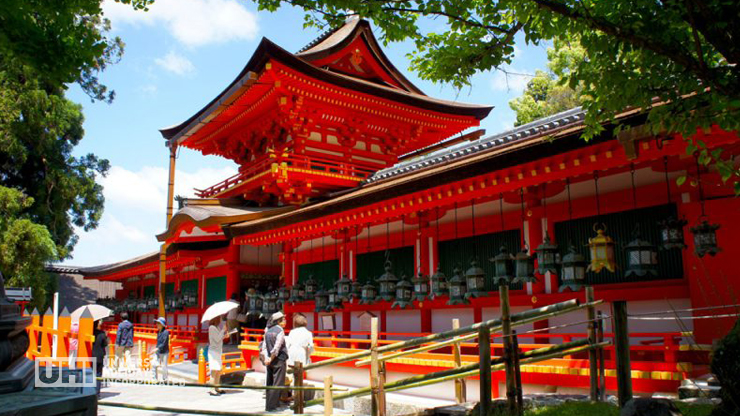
x=124, y=342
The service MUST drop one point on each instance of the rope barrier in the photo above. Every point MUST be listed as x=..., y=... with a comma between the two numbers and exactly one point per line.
x=672, y=318
x=188, y=411
x=705, y=308
x=225, y=386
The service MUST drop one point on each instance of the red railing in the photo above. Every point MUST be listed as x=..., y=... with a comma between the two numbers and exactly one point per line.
x=301, y=162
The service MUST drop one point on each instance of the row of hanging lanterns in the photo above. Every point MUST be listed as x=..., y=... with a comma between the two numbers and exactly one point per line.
x=641, y=256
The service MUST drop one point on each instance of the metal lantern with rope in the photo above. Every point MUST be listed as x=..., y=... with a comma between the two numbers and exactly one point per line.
x=524, y=267
x=151, y=303
x=254, y=301
x=404, y=292
x=356, y=290
x=344, y=288
x=369, y=294
x=475, y=279
x=548, y=256
x=601, y=247
x=297, y=293
x=705, y=234
x=642, y=257
x=283, y=295
x=457, y=288
x=671, y=229
x=503, y=267
x=439, y=284
x=334, y=301
x=321, y=298
x=421, y=287
x=270, y=304
x=574, y=270
x=387, y=282
x=310, y=288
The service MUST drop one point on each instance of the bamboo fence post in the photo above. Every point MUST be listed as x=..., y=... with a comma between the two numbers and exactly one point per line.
x=298, y=382
x=460, y=388
x=381, y=387
x=622, y=348
x=484, y=360
x=518, y=372
x=508, y=347
x=593, y=368
x=602, y=367
x=328, y=400
x=375, y=401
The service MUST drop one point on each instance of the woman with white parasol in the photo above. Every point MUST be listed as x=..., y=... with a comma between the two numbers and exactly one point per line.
x=98, y=312
x=216, y=333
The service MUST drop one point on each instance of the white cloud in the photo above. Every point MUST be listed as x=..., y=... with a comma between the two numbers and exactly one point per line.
x=112, y=229
x=175, y=63
x=510, y=80
x=146, y=189
x=192, y=22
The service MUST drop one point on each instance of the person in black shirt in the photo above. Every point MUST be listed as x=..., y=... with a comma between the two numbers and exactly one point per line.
x=99, y=347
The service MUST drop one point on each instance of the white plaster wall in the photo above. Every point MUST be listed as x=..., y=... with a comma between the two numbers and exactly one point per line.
x=442, y=318
x=355, y=321
x=403, y=321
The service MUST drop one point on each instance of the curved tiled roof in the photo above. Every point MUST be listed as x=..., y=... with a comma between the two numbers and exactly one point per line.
x=539, y=127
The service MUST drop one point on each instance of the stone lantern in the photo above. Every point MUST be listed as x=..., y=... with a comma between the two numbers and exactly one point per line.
x=705, y=238
x=524, y=267
x=475, y=278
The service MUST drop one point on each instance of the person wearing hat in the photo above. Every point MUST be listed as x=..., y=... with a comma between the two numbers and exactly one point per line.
x=162, y=349
x=277, y=355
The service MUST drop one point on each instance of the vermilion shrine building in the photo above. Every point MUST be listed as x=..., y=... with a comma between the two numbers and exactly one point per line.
x=342, y=160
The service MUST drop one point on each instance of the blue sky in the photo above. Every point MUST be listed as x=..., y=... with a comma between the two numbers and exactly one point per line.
x=178, y=56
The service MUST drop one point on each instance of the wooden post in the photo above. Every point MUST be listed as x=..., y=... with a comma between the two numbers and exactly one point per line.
x=376, y=401
x=508, y=348
x=298, y=382
x=381, y=386
x=460, y=388
x=593, y=368
x=602, y=368
x=518, y=373
x=328, y=400
x=622, y=348
x=484, y=361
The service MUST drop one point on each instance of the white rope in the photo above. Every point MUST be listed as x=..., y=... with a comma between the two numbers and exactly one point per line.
x=671, y=318
x=686, y=310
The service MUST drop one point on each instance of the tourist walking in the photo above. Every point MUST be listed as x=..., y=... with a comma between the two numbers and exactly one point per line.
x=124, y=342
x=300, y=347
x=216, y=335
x=163, y=348
x=99, y=347
x=277, y=356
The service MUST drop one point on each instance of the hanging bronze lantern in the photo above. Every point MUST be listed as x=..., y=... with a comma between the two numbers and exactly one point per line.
x=334, y=301
x=255, y=302
x=475, y=278
x=151, y=303
x=439, y=284
x=601, y=248
x=297, y=293
x=270, y=304
x=705, y=238
x=503, y=265
x=344, y=288
x=404, y=290
x=671, y=233
x=642, y=257
x=574, y=270
x=283, y=295
x=321, y=300
x=421, y=287
x=387, y=283
x=369, y=294
x=457, y=288
x=548, y=257
x=356, y=290
x=310, y=288
x=524, y=267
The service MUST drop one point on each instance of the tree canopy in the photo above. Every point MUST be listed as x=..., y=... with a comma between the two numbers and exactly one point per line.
x=677, y=60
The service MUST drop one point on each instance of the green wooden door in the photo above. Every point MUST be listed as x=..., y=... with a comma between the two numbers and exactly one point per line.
x=189, y=286
x=149, y=291
x=215, y=290
x=325, y=273
x=169, y=289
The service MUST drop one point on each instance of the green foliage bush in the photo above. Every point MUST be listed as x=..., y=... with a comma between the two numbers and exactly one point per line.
x=726, y=366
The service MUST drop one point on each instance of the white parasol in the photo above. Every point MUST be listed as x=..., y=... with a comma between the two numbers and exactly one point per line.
x=97, y=311
x=218, y=309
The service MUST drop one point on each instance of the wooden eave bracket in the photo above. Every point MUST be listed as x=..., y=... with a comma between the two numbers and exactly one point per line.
x=630, y=136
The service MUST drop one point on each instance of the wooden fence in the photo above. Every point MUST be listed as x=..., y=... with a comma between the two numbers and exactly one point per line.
x=41, y=334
